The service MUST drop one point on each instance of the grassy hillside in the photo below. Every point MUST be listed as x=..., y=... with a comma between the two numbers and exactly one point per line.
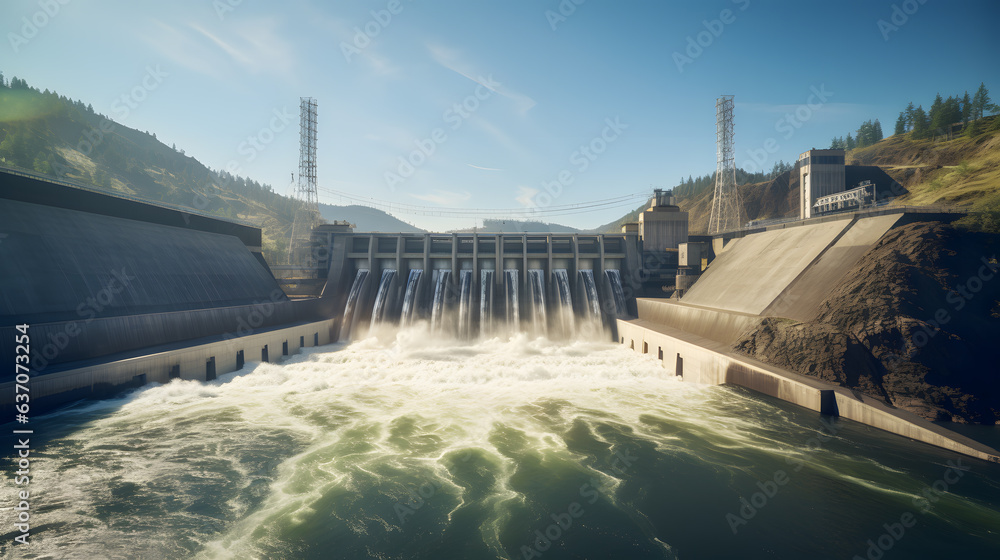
x=963, y=172
x=45, y=132
x=48, y=133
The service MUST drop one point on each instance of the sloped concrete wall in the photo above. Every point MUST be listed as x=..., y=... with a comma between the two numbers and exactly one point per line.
x=801, y=299
x=713, y=324
x=58, y=264
x=754, y=270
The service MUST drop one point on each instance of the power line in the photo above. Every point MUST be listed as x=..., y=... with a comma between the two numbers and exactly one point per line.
x=556, y=210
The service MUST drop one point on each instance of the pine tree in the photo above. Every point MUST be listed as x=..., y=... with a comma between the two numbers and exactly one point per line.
x=900, y=123
x=934, y=115
x=909, y=116
x=966, y=109
x=878, y=132
x=980, y=101
x=921, y=126
x=849, y=143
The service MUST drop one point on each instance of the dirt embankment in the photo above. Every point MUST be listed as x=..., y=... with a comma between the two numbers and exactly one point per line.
x=916, y=323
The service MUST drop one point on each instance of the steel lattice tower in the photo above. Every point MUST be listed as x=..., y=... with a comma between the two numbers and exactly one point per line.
x=727, y=209
x=307, y=216
x=306, y=189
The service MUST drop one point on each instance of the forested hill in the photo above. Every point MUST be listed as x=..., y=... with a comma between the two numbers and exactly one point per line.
x=52, y=134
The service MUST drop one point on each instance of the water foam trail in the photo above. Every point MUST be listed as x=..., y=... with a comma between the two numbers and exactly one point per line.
x=368, y=446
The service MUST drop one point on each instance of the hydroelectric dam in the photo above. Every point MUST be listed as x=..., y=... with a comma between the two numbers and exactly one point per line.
x=120, y=292
x=447, y=395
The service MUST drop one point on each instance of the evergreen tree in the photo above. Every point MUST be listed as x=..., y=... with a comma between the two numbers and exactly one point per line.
x=966, y=109
x=952, y=111
x=849, y=143
x=934, y=115
x=900, y=123
x=878, y=132
x=921, y=126
x=980, y=101
x=909, y=116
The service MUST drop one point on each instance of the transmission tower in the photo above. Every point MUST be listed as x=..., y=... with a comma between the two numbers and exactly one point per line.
x=307, y=216
x=306, y=190
x=727, y=209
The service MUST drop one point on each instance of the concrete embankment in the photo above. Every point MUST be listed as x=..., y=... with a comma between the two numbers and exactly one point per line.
x=702, y=360
x=785, y=273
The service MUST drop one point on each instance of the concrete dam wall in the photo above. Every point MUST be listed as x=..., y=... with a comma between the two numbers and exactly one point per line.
x=125, y=279
x=479, y=278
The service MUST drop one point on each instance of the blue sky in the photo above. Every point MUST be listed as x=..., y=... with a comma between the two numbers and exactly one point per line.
x=534, y=81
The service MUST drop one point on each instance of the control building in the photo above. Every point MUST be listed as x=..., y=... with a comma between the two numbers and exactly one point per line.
x=663, y=226
x=821, y=173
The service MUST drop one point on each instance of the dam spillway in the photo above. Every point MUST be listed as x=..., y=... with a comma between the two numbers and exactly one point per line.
x=466, y=283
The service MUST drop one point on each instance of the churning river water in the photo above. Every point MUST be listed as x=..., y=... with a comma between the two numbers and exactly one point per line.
x=408, y=445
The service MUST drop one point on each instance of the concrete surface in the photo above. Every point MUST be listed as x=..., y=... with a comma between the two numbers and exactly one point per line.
x=713, y=324
x=754, y=270
x=702, y=360
x=801, y=299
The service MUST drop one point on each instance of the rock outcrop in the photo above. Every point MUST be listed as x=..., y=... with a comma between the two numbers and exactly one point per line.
x=915, y=323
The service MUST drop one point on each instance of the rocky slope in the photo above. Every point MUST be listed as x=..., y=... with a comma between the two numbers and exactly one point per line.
x=915, y=323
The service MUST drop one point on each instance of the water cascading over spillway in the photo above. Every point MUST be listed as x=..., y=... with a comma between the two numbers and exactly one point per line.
x=350, y=308
x=536, y=292
x=513, y=312
x=465, y=304
x=378, y=311
x=485, y=302
x=410, y=297
x=593, y=306
x=441, y=278
x=564, y=301
x=614, y=277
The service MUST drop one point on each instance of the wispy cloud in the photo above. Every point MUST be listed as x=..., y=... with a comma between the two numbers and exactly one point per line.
x=526, y=196
x=483, y=168
x=455, y=61
x=443, y=198
x=254, y=45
